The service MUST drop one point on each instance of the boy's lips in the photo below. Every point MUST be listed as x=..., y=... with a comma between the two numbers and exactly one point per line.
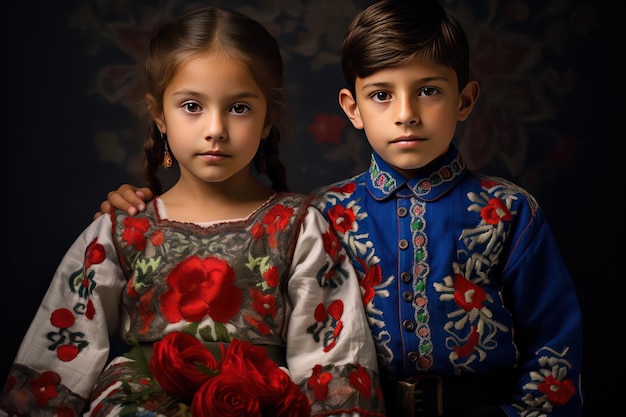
x=407, y=139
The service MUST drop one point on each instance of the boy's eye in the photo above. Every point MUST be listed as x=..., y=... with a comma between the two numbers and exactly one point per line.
x=191, y=107
x=428, y=91
x=240, y=108
x=380, y=96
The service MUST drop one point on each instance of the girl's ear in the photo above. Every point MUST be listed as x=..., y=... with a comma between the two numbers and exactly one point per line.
x=348, y=104
x=156, y=115
x=467, y=100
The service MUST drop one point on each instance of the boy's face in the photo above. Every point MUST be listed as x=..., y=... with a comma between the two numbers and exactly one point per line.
x=409, y=112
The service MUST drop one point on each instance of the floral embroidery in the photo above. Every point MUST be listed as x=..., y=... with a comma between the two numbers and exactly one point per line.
x=67, y=343
x=360, y=378
x=44, y=388
x=134, y=234
x=327, y=317
x=276, y=220
x=342, y=218
x=318, y=383
x=549, y=386
x=381, y=179
x=200, y=288
x=495, y=212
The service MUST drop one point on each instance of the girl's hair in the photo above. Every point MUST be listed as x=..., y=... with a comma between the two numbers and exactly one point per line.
x=240, y=38
x=392, y=33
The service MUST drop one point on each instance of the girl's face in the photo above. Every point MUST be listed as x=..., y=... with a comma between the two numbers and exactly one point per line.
x=409, y=112
x=214, y=117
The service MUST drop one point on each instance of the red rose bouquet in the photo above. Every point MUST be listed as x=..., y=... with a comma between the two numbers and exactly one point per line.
x=245, y=382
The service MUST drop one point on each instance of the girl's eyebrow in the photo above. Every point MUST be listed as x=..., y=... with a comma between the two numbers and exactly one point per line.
x=237, y=96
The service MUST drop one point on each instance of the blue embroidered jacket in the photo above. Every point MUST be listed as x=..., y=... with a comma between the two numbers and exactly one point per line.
x=462, y=275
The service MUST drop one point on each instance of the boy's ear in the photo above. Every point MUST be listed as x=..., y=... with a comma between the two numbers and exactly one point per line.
x=348, y=104
x=467, y=99
x=156, y=115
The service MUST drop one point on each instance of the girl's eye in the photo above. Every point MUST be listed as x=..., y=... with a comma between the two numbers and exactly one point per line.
x=381, y=96
x=192, y=107
x=240, y=109
x=428, y=91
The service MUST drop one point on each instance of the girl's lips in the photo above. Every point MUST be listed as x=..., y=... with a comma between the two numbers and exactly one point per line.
x=213, y=156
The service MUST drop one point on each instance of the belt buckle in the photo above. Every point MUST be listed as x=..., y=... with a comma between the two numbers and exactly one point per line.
x=411, y=394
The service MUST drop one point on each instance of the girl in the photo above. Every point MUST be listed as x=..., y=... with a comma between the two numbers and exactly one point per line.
x=220, y=255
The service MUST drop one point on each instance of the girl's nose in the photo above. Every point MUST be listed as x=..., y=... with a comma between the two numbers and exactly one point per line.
x=215, y=128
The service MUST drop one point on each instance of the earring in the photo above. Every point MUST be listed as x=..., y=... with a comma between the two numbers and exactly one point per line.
x=167, y=158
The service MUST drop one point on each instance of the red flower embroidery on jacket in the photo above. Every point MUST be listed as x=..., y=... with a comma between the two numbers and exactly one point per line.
x=341, y=218
x=327, y=317
x=495, y=212
x=373, y=277
x=360, y=379
x=472, y=341
x=198, y=288
x=332, y=246
x=157, y=238
x=557, y=392
x=263, y=304
x=44, y=388
x=67, y=344
x=271, y=276
x=468, y=295
x=276, y=220
x=94, y=254
x=318, y=383
x=134, y=232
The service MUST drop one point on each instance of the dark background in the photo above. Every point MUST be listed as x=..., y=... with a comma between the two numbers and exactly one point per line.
x=547, y=119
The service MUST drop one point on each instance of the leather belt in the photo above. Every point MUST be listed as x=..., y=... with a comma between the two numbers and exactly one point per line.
x=433, y=395
x=420, y=395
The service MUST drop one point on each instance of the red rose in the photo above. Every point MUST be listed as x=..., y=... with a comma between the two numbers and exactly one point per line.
x=181, y=364
x=244, y=358
x=227, y=395
x=292, y=404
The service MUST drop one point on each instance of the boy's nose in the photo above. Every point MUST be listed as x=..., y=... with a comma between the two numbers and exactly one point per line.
x=407, y=113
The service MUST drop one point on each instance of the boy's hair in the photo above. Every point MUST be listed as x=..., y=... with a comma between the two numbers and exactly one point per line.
x=392, y=33
x=237, y=36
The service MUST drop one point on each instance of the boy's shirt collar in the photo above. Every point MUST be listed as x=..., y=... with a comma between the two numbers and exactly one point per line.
x=428, y=184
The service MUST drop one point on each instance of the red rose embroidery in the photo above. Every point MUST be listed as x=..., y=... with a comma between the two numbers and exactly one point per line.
x=557, y=392
x=318, y=382
x=495, y=212
x=341, y=218
x=275, y=221
x=44, y=388
x=134, y=233
x=468, y=295
x=199, y=288
x=95, y=254
x=360, y=379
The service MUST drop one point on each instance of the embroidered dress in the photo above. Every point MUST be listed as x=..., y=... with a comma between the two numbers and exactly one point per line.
x=278, y=278
x=462, y=278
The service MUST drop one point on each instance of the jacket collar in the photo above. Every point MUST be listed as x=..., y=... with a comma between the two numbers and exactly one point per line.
x=429, y=183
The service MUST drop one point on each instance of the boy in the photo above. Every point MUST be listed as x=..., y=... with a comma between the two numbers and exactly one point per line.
x=470, y=304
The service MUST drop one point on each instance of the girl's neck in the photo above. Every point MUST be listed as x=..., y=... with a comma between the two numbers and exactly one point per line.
x=189, y=201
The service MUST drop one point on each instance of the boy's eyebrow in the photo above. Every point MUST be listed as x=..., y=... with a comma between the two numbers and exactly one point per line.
x=384, y=84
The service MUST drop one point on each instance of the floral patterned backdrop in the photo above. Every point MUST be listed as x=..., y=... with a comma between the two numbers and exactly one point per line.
x=542, y=120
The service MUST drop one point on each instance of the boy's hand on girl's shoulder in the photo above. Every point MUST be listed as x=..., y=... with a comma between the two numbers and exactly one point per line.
x=128, y=198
